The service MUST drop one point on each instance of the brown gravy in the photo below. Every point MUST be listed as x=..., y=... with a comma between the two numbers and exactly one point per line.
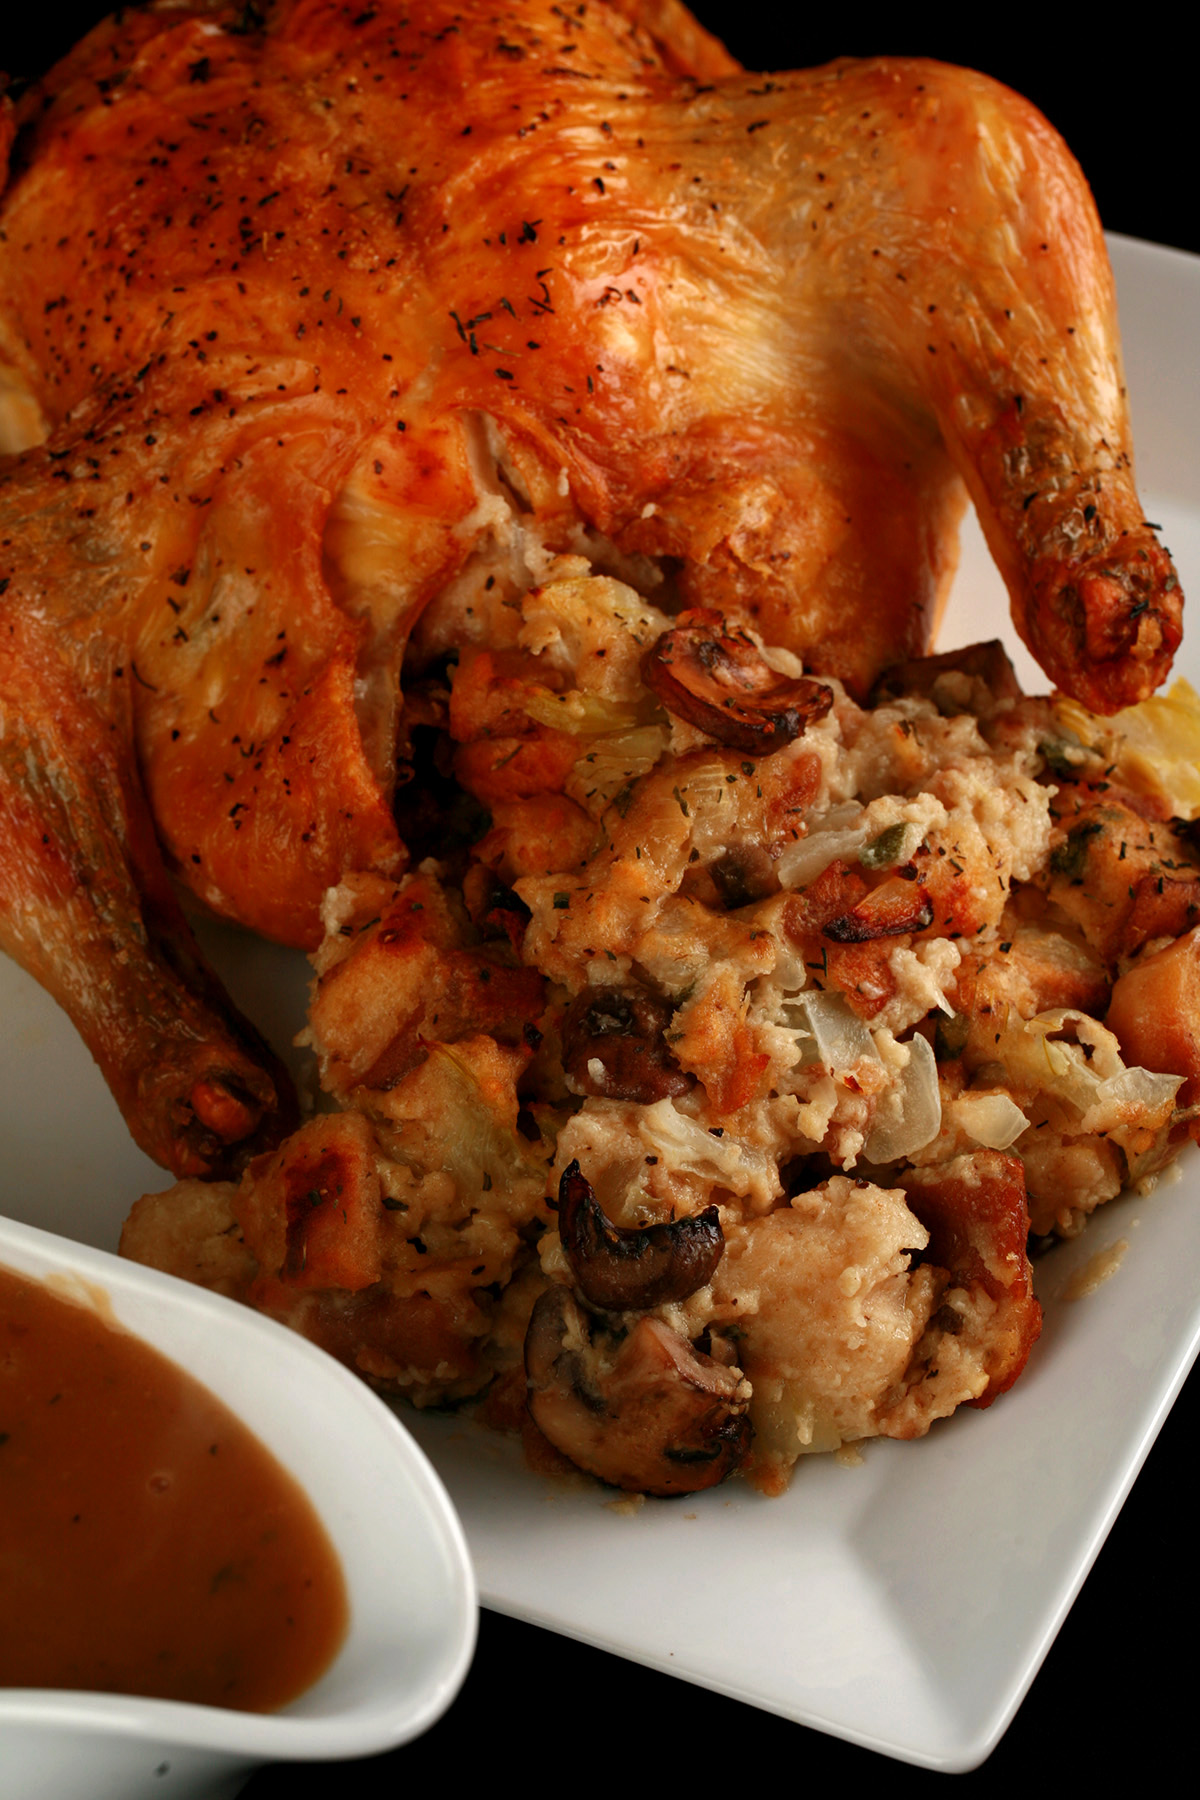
x=149, y=1544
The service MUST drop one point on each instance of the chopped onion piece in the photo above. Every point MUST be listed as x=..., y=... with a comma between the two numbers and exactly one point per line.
x=909, y=1114
x=1135, y=1095
x=839, y=1037
x=1155, y=745
x=1141, y=1087
x=843, y=832
x=611, y=762
x=583, y=715
x=994, y=1120
x=690, y=1149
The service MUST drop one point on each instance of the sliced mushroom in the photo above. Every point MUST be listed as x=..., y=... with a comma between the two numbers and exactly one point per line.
x=639, y=1409
x=743, y=875
x=631, y=1271
x=715, y=676
x=987, y=662
x=614, y=1049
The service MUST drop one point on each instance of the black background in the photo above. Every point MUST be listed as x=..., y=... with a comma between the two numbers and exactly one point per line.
x=1115, y=1695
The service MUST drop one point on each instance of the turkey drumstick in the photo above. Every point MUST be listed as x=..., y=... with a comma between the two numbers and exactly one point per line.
x=331, y=312
x=86, y=905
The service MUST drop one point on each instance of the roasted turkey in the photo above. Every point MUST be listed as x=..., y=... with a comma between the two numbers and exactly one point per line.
x=316, y=318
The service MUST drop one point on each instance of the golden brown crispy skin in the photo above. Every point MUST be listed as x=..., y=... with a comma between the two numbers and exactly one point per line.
x=269, y=272
x=87, y=907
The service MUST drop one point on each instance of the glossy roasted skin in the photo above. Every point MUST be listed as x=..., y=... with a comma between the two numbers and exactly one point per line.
x=87, y=907
x=308, y=297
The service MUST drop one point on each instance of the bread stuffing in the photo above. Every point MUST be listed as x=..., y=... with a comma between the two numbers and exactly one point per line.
x=708, y=1079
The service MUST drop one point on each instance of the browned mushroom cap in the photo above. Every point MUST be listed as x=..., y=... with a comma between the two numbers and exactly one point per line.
x=714, y=676
x=743, y=875
x=987, y=662
x=641, y=1409
x=631, y=1271
x=613, y=1046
